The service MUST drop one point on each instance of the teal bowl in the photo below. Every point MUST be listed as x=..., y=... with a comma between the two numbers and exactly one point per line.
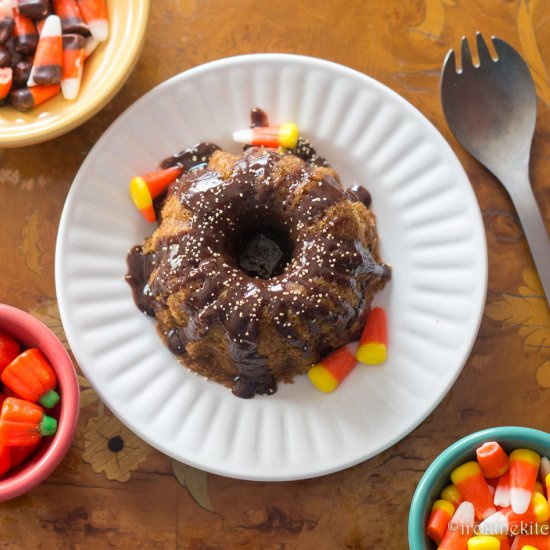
x=437, y=476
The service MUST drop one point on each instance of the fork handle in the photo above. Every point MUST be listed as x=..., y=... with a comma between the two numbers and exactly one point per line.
x=529, y=214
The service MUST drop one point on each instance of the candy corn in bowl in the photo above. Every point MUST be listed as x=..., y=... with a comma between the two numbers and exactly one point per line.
x=39, y=399
x=62, y=61
x=487, y=491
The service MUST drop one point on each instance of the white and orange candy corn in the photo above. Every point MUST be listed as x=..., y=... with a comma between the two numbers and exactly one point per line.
x=94, y=13
x=373, y=344
x=462, y=529
x=143, y=189
x=524, y=468
x=47, y=64
x=71, y=19
x=472, y=485
x=505, y=519
x=285, y=135
x=73, y=65
x=328, y=374
x=502, y=492
x=438, y=522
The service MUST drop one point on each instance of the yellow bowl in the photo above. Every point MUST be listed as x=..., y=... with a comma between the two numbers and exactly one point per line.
x=105, y=73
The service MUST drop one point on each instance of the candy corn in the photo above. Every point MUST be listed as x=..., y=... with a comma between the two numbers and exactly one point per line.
x=24, y=32
x=73, y=65
x=143, y=189
x=94, y=12
x=502, y=492
x=71, y=19
x=539, y=542
x=34, y=9
x=472, y=485
x=504, y=520
x=452, y=494
x=24, y=423
x=90, y=46
x=6, y=80
x=483, y=542
x=544, y=473
x=285, y=135
x=6, y=26
x=329, y=373
x=46, y=68
x=27, y=99
x=492, y=459
x=524, y=466
x=374, y=338
x=441, y=514
x=462, y=522
x=528, y=547
x=31, y=377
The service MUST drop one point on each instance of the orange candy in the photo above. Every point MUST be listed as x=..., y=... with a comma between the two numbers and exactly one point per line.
x=46, y=68
x=23, y=423
x=463, y=521
x=330, y=372
x=143, y=189
x=26, y=99
x=438, y=522
x=506, y=519
x=71, y=18
x=31, y=377
x=372, y=348
x=472, y=485
x=492, y=459
x=94, y=12
x=73, y=65
x=524, y=468
x=24, y=32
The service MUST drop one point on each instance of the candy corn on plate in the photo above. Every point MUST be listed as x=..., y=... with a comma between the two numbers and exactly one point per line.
x=417, y=338
x=62, y=61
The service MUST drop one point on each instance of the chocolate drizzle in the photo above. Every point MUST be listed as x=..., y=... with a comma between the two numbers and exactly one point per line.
x=250, y=255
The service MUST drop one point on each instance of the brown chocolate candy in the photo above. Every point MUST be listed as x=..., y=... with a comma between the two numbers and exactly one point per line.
x=73, y=42
x=21, y=73
x=6, y=28
x=22, y=100
x=47, y=74
x=34, y=9
x=6, y=57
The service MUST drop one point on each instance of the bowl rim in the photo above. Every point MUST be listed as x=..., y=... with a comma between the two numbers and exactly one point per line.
x=465, y=444
x=79, y=114
x=28, y=477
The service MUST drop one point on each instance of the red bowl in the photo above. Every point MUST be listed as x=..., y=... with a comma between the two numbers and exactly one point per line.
x=30, y=332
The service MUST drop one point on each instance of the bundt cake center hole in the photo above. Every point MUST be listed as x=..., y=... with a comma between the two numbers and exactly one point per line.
x=263, y=248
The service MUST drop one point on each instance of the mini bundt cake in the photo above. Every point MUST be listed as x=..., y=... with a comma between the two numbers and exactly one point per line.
x=261, y=265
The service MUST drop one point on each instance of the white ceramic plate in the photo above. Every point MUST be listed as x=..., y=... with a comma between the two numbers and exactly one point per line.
x=431, y=232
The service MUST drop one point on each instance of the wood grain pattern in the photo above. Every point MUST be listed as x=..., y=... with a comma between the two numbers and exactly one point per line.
x=506, y=380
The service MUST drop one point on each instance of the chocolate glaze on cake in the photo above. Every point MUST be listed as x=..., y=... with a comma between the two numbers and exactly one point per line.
x=262, y=264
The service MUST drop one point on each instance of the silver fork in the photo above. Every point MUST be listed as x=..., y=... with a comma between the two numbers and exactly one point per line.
x=491, y=109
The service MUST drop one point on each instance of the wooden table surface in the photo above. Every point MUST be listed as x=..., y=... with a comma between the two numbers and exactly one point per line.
x=112, y=490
